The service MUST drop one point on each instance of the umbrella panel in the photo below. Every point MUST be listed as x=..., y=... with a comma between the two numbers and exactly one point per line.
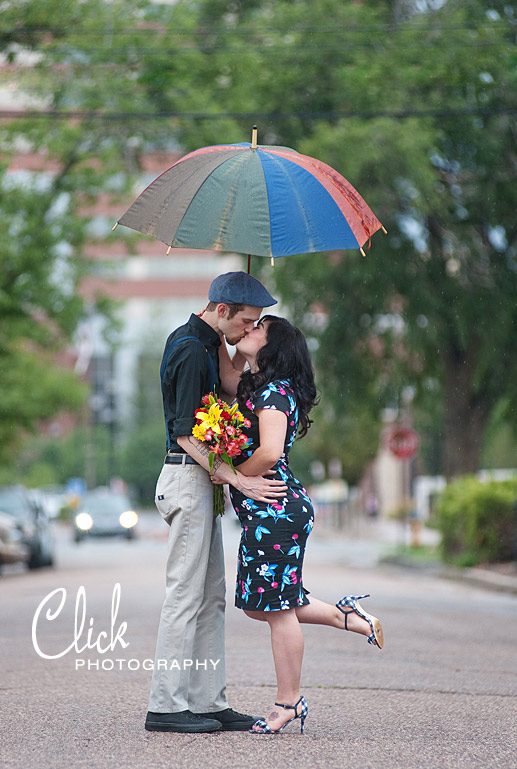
x=230, y=212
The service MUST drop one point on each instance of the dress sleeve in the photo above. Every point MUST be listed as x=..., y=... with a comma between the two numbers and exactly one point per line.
x=277, y=396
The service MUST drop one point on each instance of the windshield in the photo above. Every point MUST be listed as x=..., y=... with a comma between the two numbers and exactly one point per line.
x=105, y=504
x=14, y=503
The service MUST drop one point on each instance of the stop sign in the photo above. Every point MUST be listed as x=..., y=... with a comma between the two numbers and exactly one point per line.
x=403, y=442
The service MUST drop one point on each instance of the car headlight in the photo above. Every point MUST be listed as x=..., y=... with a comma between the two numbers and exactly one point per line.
x=128, y=519
x=84, y=521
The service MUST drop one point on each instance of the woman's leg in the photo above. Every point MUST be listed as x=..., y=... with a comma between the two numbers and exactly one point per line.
x=321, y=613
x=287, y=646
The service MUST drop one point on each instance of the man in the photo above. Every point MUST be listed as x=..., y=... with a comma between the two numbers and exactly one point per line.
x=188, y=689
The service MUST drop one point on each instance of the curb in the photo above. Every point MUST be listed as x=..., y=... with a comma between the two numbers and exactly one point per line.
x=491, y=580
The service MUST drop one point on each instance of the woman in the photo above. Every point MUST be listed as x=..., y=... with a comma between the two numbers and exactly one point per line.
x=276, y=395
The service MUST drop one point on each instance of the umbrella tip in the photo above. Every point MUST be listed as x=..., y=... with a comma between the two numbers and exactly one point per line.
x=254, y=133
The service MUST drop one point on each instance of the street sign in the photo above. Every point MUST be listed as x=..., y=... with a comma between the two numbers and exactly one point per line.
x=403, y=442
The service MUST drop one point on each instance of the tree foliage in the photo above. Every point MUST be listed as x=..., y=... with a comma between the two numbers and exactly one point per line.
x=42, y=210
x=432, y=149
x=413, y=102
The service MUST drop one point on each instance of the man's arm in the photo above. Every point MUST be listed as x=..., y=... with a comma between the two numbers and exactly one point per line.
x=230, y=370
x=255, y=487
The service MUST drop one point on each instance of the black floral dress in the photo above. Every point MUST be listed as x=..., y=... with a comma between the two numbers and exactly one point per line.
x=269, y=571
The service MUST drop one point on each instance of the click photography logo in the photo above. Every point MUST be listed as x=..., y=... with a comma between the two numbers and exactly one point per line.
x=94, y=649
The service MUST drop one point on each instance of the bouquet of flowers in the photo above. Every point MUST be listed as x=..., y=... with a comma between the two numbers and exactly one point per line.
x=220, y=426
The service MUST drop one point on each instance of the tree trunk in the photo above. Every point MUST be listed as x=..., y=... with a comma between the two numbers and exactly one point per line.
x=465, y=418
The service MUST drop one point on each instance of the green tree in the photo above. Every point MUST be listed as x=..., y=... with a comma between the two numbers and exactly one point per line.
x=412, y=102
x=433, y=151
x=42, y=213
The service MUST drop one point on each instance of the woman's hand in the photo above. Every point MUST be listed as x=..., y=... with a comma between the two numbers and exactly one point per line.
x=259, y=488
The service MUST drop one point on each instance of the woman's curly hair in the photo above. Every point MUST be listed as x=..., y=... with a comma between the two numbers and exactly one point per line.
x=284, y=356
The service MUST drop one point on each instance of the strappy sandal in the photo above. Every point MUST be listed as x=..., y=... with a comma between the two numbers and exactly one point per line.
x=264, y=727
x=350, y=602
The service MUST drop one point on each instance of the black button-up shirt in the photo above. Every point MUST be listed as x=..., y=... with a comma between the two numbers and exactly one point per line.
x=187, y=376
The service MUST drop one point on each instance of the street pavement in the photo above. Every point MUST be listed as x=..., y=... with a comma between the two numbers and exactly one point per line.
x=442, y=693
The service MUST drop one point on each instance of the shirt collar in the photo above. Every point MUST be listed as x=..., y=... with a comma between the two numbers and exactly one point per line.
x=206, y=333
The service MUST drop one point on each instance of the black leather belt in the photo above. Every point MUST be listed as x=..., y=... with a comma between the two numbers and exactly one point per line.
x=179, y=459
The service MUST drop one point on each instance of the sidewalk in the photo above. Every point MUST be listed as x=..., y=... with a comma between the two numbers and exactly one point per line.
x=366, y=544
x=370, y=543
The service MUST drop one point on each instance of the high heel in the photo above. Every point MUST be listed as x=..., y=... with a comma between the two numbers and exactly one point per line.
x=264, y=727
x=350, y=602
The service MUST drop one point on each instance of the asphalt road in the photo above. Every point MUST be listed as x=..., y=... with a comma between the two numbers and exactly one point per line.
x=442, y=693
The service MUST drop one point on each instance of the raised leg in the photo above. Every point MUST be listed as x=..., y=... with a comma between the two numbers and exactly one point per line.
x=320, y=613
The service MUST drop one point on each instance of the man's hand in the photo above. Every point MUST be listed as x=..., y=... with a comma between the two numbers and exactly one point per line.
x=260, y=488
x=256, y=487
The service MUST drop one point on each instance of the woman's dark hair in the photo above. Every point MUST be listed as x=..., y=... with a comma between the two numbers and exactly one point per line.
x=284, y=356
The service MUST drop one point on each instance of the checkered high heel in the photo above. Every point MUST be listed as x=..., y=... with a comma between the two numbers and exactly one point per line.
x=264, y=728
x=350, y=602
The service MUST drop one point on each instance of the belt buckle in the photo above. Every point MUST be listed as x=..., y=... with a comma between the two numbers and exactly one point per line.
x=182, y=456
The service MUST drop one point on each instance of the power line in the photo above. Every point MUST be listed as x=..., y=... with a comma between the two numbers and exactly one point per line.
x=343, y=114
x=280, y=48
x=429, y=24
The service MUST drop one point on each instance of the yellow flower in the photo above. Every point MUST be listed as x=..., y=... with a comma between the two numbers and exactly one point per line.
x=198, y=431
x=211, y=420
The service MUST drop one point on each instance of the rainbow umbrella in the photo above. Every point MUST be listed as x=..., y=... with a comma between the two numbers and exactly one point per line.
x=252, y=199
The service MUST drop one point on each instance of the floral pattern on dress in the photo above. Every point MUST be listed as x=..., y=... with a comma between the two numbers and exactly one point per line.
x=273, y=538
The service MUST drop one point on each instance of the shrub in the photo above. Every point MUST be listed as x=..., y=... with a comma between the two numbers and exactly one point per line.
x=476, y=520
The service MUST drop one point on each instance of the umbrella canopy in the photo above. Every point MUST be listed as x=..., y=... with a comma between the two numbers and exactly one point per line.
x=252, y=199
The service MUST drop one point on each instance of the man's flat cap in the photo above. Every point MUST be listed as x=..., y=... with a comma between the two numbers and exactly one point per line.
x=239, y=288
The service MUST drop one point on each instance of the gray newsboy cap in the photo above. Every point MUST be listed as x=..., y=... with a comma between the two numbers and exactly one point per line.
x=239, y=288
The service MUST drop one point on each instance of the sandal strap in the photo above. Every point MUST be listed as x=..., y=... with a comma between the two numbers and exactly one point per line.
x=289, y=707
x=261, y=723
x=346, y=613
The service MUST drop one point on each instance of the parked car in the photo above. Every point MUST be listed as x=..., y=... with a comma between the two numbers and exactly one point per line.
x=12, y=547
x=32, y=523
x=104, y=513
x=52, y=499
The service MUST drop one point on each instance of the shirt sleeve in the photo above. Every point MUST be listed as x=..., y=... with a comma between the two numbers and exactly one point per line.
x=184, y=379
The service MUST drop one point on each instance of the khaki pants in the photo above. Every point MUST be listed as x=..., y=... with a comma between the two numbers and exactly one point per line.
x=189, y=668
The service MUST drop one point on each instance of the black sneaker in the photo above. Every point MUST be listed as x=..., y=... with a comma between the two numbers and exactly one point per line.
x=230, y=720
x=184, y=721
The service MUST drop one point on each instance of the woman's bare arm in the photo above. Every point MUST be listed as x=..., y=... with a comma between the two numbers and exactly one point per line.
x=253, y=485
x=272, y=431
